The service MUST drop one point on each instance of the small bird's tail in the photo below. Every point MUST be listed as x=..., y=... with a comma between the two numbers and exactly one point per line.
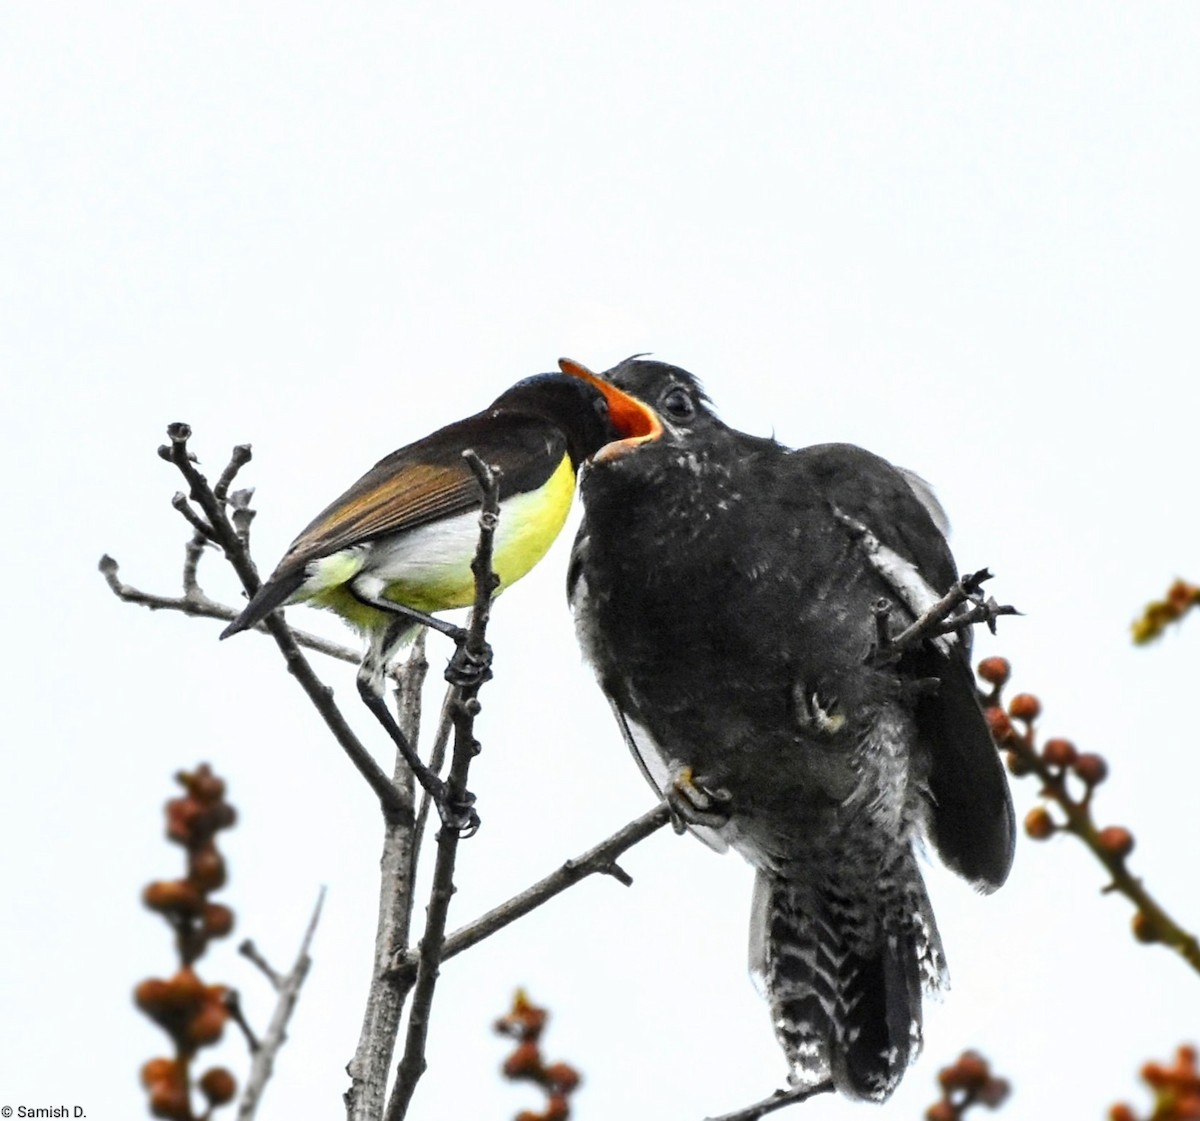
x=845, y=977
x=274, y=593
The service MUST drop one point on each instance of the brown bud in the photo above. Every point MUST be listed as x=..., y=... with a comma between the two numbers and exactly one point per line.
x=207, y=1024
x=206, y=869
x=941, y=1111
x=1116, y=840
x=972, y=1070
x=1144, y=928
x=178, y=896
x=182, y=815
x=1039, y=824
x=994, y=1092
x=218, y=1085
x=203, y=784
x=998, y=724
x=1121, y=1112
x=524, y=1062
x=187, y=989
x=561, y=1076
x=1059, y=752
x=1018, y=764
x=218, y=920
x=557, y=1108
x=1155, y=1075
x=1024, y=706
x=170, y=1099
x=995, y=671
x=152, y=996
x=160, y=1070
x=1092, y=769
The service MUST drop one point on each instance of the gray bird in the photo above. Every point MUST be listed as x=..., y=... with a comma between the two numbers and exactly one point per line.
x=724, y=589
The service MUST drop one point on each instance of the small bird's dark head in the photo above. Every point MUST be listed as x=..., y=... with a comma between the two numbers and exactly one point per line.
x=589, y=412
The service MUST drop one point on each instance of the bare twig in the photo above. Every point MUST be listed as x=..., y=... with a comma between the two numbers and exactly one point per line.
x=778, y=1100
x=599, y=859
x=238, y=459
x=233, y=1004
x=437, y=759
x=252, y=954
x=941, y=617
x=466, y=707
x=372, y=1063
x=288, y=986
x=196, y=602
x=235, y=550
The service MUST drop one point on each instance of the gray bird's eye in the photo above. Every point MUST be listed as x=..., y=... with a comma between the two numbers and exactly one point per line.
x=677, y=403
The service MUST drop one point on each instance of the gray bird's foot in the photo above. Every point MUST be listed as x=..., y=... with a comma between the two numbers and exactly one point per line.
x=817, y=713
x=695, y=801
x=467, y=669
x=457, y=815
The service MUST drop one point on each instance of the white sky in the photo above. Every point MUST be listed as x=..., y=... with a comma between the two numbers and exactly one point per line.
x=964, y=236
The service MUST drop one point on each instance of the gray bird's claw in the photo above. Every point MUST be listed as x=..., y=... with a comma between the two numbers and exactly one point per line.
x=468, y=670
x=460, y=815
x=694, y=801
x=817, y=713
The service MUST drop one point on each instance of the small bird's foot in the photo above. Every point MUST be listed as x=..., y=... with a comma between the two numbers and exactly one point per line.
x=695, y=801
x=468, y=669
x=457, y=814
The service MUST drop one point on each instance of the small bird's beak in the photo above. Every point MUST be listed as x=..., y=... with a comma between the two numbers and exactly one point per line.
x=636, y=421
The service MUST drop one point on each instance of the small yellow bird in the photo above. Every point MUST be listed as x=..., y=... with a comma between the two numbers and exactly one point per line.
x=398, y=545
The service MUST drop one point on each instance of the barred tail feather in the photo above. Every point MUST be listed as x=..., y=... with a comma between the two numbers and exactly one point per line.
x=845, y=978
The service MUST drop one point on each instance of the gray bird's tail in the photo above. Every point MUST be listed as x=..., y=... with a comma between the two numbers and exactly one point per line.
x=844, y=976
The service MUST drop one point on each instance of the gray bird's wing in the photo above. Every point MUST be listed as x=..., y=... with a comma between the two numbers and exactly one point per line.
x=895, y=525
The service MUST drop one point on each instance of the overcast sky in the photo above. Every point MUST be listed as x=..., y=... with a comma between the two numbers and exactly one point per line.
x=963, y=236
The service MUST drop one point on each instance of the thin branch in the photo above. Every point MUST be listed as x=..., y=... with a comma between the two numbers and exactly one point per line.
x=288, y=987
x=197, y=603
x=778, y=1100
x=466, y=747
x=251, y=953
x=235, y=550
x=940, y=618
x=1152, y=922
x=437, y=759
x=600, y=859
x=240, y=456
x=233, y=1003
x=372, y=1062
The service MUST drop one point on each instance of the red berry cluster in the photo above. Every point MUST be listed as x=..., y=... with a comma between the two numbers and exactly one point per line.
x=967, y=1082
x=1069, y=779
x=1181, y=597
x=192, y=1013
x=1176, y=1090
x=524, y=1023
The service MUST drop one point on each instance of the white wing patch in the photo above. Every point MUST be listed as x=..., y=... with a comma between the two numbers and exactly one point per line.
x=901, y=575
x=928, y=499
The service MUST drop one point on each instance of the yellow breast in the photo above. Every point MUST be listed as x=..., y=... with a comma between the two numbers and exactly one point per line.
x=429, y=568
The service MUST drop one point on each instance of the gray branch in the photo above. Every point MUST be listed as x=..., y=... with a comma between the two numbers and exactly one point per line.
x=288, y=986
x=778, y=1100
x=600, y=859
x=465, y=707
x=371, y=1066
